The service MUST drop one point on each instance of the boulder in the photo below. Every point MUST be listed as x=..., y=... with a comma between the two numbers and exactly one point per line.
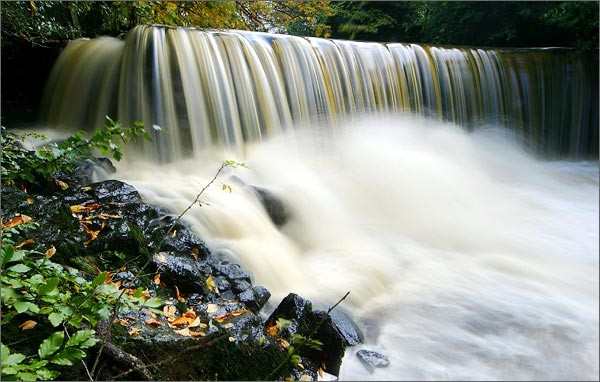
x=316, y=324
x=274, y=206
x=371, y=359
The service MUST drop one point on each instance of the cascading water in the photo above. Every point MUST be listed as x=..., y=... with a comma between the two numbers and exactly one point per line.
x=466, y=257
x=226, y=88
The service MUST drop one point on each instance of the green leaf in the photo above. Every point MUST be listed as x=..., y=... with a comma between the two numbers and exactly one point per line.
x=51, y=344
x=23, y=376
x=81, y=339
x=4, y=353
x=24, y=306
x=153, y=302
x=56, y=318
x=13, y=359
x=98, y=280
x=68, y=356
x=46, y=374
x=19, y=268
x=49, y=286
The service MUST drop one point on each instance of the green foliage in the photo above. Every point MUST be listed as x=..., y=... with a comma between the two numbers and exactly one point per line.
x=21, y=166
x=38, y=291
x=477, y=23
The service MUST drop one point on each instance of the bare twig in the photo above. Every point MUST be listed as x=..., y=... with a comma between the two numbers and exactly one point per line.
x=309, y=337
x=82, y=361
x=172, y=358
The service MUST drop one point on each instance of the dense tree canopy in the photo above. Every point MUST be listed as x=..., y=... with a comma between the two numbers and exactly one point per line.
x=457, y=23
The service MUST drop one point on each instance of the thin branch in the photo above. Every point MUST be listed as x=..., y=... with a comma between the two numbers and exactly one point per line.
x=82, y=361
x=172, y=358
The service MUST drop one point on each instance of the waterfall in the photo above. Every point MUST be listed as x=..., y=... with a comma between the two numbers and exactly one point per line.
x=224, y=88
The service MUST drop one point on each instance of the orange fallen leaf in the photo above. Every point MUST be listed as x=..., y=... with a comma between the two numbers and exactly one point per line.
x=86, y=207
x=50, y=252
x=122, y=322
x=197, y=334
x=25, y=243
x=228, y=316
x=17, y=220
x=152, y=322
x=157, y=279
x=134, y=332
x=26, y=325
x=190, y=314
x=272, y=330
x=106, y=216
x=196, y=323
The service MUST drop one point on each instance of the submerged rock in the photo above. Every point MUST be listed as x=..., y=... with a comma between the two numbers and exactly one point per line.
x=371, y=359
x=274, y=206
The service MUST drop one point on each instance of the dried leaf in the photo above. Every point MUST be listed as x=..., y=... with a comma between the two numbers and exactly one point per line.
x=183, y=332
x=196, y=323
x=212, y=308
x=272, y=329
x=84, y=208
x=157, y=279
x=174, y=233
x=212, y=285
x=152, y=322
x=25, y=243
x=134, y=332
x=26, y=325
x=62, y=185
x=29, y=201
x=105, y=216
x=169, y=311
x=178, y=295
x=17, y=220
x=50, y=252
x=283, y=343
x=230, y=315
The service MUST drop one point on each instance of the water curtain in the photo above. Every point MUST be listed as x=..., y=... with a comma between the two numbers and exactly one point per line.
x=200, y=88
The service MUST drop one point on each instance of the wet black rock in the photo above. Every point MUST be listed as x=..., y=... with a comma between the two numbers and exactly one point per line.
x=274, y=206
x=371, y=359
x=347, y=328
x=304, y=321
x=255, y=298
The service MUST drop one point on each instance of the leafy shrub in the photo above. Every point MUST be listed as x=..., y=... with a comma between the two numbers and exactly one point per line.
x=21, y=166
x=37, y=291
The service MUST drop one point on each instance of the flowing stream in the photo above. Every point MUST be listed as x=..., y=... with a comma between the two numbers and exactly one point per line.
x=412, y=177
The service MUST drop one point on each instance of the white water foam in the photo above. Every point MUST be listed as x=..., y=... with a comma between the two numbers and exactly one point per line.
x=466, y=258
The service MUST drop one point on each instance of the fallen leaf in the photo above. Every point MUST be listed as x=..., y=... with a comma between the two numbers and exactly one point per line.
x=183, y=332
x=169, y=311
x=25, y=243
x=195, y=252
x=86, y=207
x=50, y=252
x=29, y=201
x=121, y=322
x=283, y=343
x=212, y=285
x=196, y=323
x=62, y=185
x=26, y=325
x=174, y=233
x=231, y=339
x=228, y=316
x=105, y=216
x=190, y=314
x=134, y=332
x=228, y=326
x=212, y=308
x=86, y=189
x=152, y=322
x=17, y=220
x=272, y=329
x=157, y=279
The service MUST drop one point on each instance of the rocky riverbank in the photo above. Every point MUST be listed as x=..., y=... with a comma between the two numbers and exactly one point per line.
x=209, y=325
